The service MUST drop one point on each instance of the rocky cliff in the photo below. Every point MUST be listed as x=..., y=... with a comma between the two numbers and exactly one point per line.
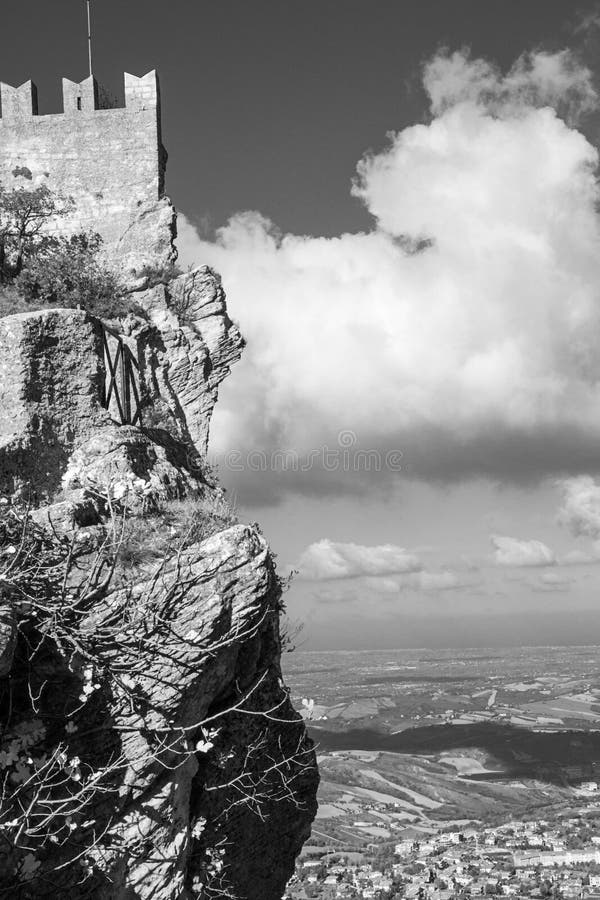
x=149, y=748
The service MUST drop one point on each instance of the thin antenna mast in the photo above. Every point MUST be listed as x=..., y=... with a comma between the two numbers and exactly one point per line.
x=89, y=28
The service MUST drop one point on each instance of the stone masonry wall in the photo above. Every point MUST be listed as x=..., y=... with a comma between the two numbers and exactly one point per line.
x=110, y=161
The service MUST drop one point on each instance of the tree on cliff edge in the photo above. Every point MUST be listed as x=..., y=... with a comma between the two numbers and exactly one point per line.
x=23, y=215
x=45, y=270
x=69, y=272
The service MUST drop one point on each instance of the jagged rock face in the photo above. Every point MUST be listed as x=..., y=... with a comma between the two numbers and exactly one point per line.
x=52, y=422
x=146, y=246
x=8, y=635
x=53, y=427
x=51, y=375
x=191, y=350
x=215, y=788
x=233, y=611
x=118, y=454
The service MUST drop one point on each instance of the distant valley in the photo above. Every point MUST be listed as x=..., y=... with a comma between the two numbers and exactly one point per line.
x=412, y=742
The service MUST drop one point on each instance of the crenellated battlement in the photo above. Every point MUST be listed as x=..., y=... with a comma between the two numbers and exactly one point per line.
x=143, y=92
x=87, y=96
x=18, y=102
x=80, y=97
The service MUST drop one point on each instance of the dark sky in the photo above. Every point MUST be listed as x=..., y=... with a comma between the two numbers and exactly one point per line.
x=268, y=104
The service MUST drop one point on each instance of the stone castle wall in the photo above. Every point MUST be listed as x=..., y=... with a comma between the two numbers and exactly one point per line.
x=109, y=160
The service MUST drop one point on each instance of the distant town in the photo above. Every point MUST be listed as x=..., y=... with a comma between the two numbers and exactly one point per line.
x=452, y=774
x=536, y=858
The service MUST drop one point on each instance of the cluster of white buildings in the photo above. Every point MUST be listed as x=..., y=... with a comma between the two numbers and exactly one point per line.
x=343, y=880
x=517, y=859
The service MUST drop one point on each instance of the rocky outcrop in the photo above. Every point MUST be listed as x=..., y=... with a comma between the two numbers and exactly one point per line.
x=51, y=377
x=200, y=667
x=52, y=374
x=192, y=334
x=8, y=635
x=154, y=616
x=146, y=245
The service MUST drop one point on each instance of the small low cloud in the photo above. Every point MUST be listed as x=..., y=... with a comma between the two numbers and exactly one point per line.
x=509, y=551
x=553, y=582
x=327, y=559
x=446, y=580
x=556, y=578
x=578, y=557
x=385, y=570
x=580, y=510
x=423, y=581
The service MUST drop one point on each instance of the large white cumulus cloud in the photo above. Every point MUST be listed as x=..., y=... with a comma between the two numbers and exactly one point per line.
x=463, y=329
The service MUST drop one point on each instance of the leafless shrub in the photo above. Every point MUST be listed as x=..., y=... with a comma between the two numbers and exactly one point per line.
x=61, y=803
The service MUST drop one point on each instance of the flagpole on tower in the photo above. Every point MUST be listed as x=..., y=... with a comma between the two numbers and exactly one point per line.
x=89, y=28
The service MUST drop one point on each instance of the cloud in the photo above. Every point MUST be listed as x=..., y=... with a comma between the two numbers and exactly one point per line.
x=445, y=580
x=555, y=578
x=582, y=557
x=424, y=581
x=384, y=570
x=580, y=511
x=536, y=79
x=588, y=22
x=327, y=559
x=509, y=551
x=552, y=582
x=461, y=330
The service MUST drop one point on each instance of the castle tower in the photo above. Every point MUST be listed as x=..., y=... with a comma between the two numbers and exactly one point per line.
x=108, y=159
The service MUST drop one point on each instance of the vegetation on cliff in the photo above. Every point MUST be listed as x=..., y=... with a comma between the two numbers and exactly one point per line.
x=81, y=637
x=39, y=269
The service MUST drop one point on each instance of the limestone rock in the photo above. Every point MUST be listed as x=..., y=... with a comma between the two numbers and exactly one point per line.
x=146, y=246
x=216, y=777
x=194, y=348
x=122, y=458
x=51, y=375
x=8, y=634
x=230, y=606
x=52, y=422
